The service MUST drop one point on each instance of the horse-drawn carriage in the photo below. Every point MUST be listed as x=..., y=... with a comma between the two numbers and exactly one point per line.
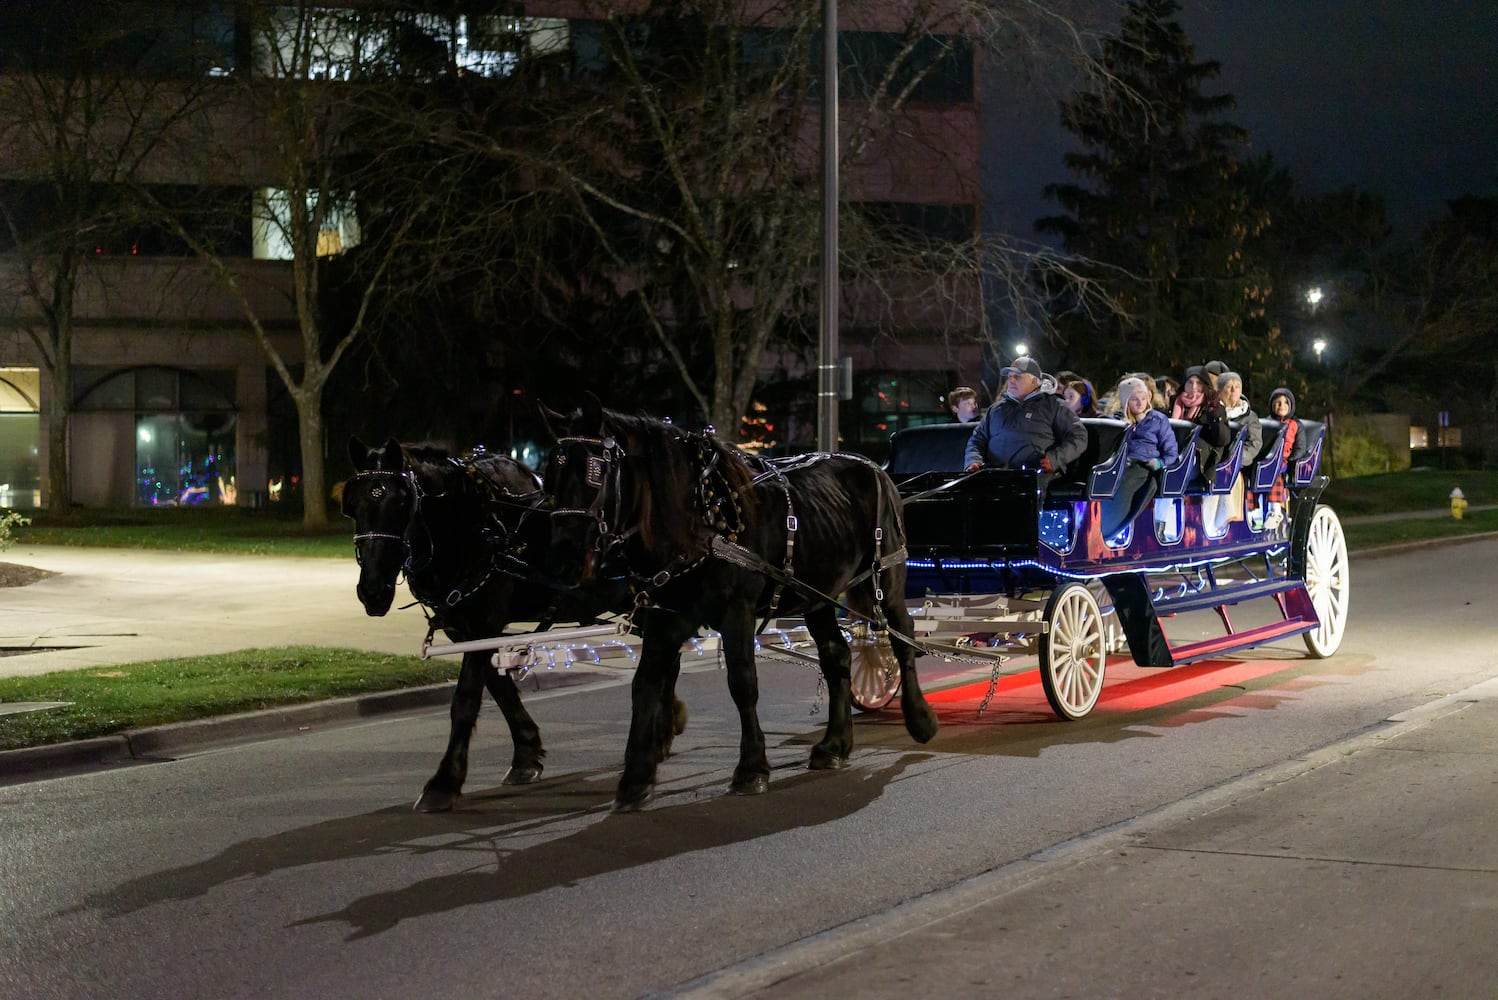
x=699, y=535
x=994, y=564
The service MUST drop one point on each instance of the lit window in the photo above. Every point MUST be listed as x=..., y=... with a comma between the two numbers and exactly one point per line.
x=272, y=224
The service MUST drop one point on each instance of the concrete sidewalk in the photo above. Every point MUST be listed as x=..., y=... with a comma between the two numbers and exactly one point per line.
x=1366, y=869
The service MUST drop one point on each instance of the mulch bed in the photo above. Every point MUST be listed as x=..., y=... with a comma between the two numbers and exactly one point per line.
x=16, y=575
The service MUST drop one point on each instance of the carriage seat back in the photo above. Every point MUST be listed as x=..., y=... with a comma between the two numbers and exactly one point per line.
x=1174, y=478
x=932, y=448
x=1095, y=472
x=1305, y=453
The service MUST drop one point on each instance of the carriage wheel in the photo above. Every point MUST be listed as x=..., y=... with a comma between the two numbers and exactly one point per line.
x=1326, y=581
x=1072, y=651
x=875, y=671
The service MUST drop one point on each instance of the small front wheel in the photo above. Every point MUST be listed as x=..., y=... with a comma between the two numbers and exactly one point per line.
x=875, y=672
x=1073, y=655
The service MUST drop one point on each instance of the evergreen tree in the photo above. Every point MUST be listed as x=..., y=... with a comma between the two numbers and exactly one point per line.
x=1159, y=209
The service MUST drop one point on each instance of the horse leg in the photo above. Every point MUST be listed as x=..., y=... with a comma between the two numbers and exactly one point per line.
x=832, y=655
x=650, y=699
x=443, y=788
x=752, y=775
x=673, y=719
x=525, y=735
x=920, y=719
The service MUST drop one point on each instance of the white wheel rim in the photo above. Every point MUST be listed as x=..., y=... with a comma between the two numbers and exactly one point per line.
x=1075, y=652
x=1327, y=580
x=875, y=679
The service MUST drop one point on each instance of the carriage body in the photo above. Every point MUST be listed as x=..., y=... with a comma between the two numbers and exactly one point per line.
x=992, y=559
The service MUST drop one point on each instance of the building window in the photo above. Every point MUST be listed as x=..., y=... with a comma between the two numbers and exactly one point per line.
x=20, y=438
x=184, y=423
x=272, y=224
x=891, y=401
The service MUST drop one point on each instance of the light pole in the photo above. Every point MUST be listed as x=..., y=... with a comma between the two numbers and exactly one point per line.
x=827, y=387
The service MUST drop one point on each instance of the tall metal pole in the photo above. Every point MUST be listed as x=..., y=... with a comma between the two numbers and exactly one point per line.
x=827, y=367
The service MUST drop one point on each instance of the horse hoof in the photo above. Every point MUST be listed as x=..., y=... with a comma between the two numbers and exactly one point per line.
x=435, y=801
x=522, y=775
x=825, y=760
x=678, y=717
x=757, y=785
x=633, y=801
x=922, y=727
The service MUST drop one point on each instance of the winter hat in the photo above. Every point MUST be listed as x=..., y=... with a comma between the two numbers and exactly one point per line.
x=1129, y=386
x=1226, y=377
x=1215, y=368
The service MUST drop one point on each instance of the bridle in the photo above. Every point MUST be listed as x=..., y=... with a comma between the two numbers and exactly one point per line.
x=604, y=472
x=375, y=493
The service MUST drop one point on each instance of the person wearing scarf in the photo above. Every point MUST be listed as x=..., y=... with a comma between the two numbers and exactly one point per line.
x=1197, y=402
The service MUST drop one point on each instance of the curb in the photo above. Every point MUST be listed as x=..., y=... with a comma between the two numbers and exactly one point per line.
x=1378, y=551
x=156, y=743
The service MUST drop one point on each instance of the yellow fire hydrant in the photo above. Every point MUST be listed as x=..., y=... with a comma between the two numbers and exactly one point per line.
x=1458, y=503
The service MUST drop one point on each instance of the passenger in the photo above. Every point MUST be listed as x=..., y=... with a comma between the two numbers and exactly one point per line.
x=1282, y=408
x=1167, y=387
x=1213, y=370
x=1157, y=398
x=1026, y=427
x=1149, y=446
x=1079, y=397
x=1197, y=402
x=963, y=402
x=1240, y=414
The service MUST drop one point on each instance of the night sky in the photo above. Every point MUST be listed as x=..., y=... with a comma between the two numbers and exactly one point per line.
x=1393, y=96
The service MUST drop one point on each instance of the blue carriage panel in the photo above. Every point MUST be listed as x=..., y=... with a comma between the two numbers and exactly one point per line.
x=1267, y=469
x=1225, y=473
x=1174, y=478
x=1106, y=440
x=1305, y=460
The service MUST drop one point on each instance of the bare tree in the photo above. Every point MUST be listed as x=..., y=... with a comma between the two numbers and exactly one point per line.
x=83, y=121
x=684, y=146
x=303, y=149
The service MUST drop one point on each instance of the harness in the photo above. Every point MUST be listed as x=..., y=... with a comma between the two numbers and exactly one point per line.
x=721, y=511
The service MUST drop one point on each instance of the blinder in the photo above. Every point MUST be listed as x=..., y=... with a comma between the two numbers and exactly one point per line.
x=602, y=473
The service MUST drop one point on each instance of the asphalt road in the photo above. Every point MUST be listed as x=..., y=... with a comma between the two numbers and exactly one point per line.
x=294, y=867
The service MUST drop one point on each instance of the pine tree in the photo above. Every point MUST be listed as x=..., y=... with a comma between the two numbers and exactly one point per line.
x=1158, y=207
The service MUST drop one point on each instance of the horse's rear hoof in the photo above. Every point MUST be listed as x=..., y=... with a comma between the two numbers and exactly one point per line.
x=757, y=785
x=435, y=801
x=823, y=759
x=678, y=717
x=518, y=775
x=633, y=800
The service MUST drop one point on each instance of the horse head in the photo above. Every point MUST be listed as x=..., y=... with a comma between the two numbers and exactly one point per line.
x=584, y=489
x=383, y=498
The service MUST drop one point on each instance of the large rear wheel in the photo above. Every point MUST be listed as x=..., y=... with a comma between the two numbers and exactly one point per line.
x=1073, y=654
x=1327, y=582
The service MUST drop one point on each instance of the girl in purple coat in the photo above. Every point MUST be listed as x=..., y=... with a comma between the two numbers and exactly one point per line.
x=1150, y=445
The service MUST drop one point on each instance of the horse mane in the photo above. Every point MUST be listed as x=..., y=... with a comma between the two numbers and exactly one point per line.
x=664, y=483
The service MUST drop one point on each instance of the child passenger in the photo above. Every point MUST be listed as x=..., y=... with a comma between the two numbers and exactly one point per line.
x=1149, y=446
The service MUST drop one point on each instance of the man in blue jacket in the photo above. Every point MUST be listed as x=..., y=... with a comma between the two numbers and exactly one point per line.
x=1026, y=428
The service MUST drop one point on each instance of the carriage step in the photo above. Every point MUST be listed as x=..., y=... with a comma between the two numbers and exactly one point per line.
x=1246, y=639
x=1224, y=595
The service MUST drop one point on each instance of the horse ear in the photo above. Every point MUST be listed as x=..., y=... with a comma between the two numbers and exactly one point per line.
x=551, y=420
x=592, y=413
x=358, y=453
x=393, y=459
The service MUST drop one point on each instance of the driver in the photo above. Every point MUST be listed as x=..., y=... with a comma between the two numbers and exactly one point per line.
x=1027, y=427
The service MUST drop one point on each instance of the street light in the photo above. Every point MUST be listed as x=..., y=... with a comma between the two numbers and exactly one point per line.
x=1314, y=295
x=1020, y=350
x=1318, y=347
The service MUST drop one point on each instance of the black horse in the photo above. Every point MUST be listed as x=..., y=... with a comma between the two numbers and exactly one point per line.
x=712, y=540
x=465, y=530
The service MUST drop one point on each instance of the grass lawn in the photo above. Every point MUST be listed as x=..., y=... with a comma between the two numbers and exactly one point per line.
x=112, y=699
x=1422, y=489
x=190, y=529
